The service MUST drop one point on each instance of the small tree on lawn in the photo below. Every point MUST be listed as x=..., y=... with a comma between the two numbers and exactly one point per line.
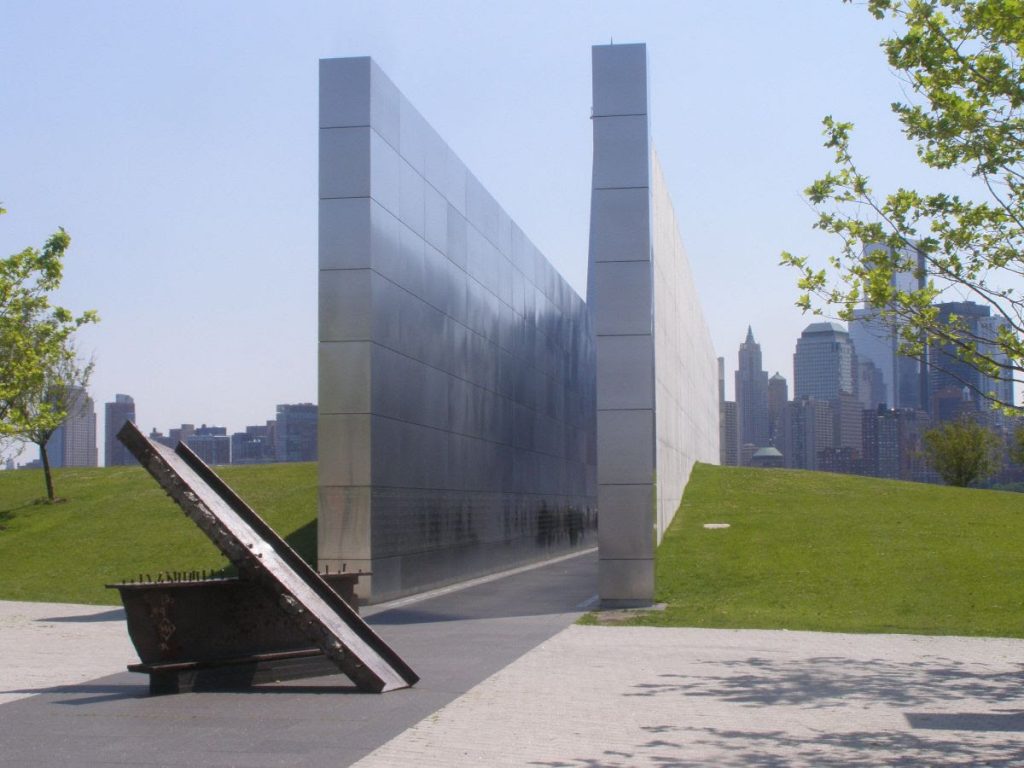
x=963, y=451
x=38, y=364
x=37, y=413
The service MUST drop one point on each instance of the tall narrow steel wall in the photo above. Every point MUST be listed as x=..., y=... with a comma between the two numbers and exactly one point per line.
x=456, y=370
x=657, y=399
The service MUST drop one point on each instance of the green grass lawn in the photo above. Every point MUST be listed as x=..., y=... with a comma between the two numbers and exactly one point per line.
x=805, y=550
x=117, y=523
x=816, y=551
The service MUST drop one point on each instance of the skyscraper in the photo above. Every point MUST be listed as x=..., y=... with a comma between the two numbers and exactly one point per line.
x=811, y=431
x=751, y=395
x=728, y=439
x=876, y=338
x=824, y=368
x=778, y=413
x=823, y=363
x=956, y=384
x=870, y=384
x=73, y=443
x=117, y=413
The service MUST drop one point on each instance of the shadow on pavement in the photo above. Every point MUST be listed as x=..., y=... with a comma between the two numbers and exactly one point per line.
x=102, y=692
x=114, y=614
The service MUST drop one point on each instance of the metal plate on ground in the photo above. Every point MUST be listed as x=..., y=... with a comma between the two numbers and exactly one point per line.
x=263, y=556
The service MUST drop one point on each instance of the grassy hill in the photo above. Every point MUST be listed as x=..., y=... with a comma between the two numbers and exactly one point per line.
x=804, y=550
x=815, y=551
x=117, y=523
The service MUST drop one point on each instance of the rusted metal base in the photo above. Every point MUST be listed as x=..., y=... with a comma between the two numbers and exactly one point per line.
x=202, y=621
x=294, y=590
x=244, y=672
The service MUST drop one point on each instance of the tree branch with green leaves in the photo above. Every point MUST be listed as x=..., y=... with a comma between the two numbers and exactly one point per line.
x=962, y=63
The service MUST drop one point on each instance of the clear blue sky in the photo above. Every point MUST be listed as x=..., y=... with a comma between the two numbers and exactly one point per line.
x=177, y=145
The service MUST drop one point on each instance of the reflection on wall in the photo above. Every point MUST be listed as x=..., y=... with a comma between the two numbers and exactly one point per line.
x=456, y=366
x=657, y=400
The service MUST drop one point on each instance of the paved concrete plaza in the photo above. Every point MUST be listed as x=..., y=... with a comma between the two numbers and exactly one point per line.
x=632, y=696
x=508, y=680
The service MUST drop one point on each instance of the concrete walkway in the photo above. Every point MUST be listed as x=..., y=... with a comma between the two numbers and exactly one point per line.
x=626, y=696
x=51, y=644
x=507, y=680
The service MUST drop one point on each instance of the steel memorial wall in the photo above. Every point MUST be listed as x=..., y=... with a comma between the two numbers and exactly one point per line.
x=456, y=366
x=657, y=396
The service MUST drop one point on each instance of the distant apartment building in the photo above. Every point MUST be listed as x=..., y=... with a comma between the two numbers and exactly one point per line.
x=73, y=444
x=290, y=437
x=173, y=436
x=295, y=432
x=255, y=445
x=122, y=409
x=211, y=444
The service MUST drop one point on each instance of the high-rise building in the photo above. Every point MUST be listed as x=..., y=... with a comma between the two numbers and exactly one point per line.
x=876, y=336
x=893, y=444
x=846, y=425
x=811, y=431
x=751, y=396
x=728, y=435
x=295, y=432
x=870, y=384
x=956, y=385
x=73, y=443
x=117, y=413
x=728, y=438
x=823, y=363
x=824, y=368
x=778, y=411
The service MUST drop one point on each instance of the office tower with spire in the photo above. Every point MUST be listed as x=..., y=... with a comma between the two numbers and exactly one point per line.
x=751, y=396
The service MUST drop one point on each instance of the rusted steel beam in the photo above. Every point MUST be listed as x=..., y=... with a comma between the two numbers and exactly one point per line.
x=265, y=558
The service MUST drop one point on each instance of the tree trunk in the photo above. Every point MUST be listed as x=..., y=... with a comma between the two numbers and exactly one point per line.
x=46, y=471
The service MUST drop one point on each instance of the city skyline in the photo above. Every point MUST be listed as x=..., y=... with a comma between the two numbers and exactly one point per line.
x=188, y=181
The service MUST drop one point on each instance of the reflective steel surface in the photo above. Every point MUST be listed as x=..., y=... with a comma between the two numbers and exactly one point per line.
x=657, y=402
x=457, y=367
